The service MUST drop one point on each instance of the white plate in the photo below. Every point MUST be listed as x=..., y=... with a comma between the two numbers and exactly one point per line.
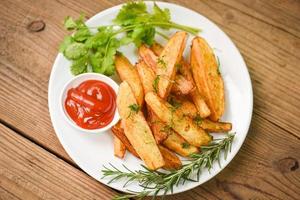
x=91, y=151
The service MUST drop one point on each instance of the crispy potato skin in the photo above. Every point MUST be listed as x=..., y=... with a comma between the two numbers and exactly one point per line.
x=166, y=64
x=176, y=143
x=119, y=148
x=137, y=130
x=148, y=57
x=171, y=160
x=118, y=132
x=128, y=72
x=207, y=78
x=157, y=48
x=157, y=127
x=181, y=124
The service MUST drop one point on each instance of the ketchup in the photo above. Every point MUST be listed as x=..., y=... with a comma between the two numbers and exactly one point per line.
x=91, y=105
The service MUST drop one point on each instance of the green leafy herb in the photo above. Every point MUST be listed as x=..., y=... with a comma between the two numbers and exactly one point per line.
x=155, y=83
x=185, y=145
x=95, y=51
x=162, y=62
x=134, y=108
x=176, y=104
x=154, y=182
x=167, y=129
x=198, y=120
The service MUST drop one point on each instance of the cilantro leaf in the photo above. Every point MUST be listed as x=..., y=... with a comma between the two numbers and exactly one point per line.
x=161, y=14
x=79, y=66
x=130, y=12
x=69, y=23
x=67, y=41
x=75, y=50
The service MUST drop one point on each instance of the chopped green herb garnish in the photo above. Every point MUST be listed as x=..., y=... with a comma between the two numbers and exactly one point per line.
x=167, y=129
x=134, y=108
x=155, y=83
x=185, y=145
x=161, y=61
x=198, y=120
x=94, y=51
x=176, y=104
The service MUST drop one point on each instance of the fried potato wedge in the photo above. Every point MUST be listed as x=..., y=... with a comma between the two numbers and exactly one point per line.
x=181, y=124
x=207, y=77
x=128, y=72
x=136, y=128
x=147, y=76
x=181, y=85
x=171, y=160
x=179, y=145
x=187, y=108
x=185, y=70
x=118, y=131
x=166, y=63
x=119, y=148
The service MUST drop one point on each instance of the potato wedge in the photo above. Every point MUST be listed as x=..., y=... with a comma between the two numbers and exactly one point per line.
x=118, y=131
x=171, y=160
x=148, y=57
x=136, y=128
x=147, y=76
x=179, y=145
x=128, y=72
x=207, y=77
x=166, y=63
x=187, y=108
x=181, y=124
x=119, y=148
x=187, y=74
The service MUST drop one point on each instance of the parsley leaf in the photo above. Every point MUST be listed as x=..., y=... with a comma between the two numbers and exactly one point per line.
x=155, y=83
x=75, y=51
x=198, y=120
x=185, y=145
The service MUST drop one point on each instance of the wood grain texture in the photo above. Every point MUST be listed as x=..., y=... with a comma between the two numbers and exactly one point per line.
x=29, y=172
x=266, y=32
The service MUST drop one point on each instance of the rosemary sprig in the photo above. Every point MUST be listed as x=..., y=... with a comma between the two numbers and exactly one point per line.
x=155, y=181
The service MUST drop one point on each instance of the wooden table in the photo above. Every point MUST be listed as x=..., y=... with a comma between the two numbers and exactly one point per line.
x=33, y=163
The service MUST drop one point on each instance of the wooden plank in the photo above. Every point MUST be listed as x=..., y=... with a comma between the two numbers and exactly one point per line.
x=29, y=172
x=267, y=167
x=281, y=14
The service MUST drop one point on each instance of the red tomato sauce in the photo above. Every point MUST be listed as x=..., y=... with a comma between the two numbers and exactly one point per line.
x=91, y=105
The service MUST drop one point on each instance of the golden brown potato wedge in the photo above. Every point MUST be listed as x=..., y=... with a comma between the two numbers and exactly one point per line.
x=207, y=77
x=119, y=148
x=181, y=124
x=128, y=72
x=185, y=70
x=179, y=145
x=148, y=57
x=171, y=160
x=118, y=131
x=166, y=63
x=181, y=85
x=147, y=76
x=136, y=128
x=187, y=108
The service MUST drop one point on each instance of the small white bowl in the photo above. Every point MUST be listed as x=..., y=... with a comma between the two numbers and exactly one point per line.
x=77, y=80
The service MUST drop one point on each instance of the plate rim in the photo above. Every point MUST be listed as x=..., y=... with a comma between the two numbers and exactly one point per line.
x=247, y=79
